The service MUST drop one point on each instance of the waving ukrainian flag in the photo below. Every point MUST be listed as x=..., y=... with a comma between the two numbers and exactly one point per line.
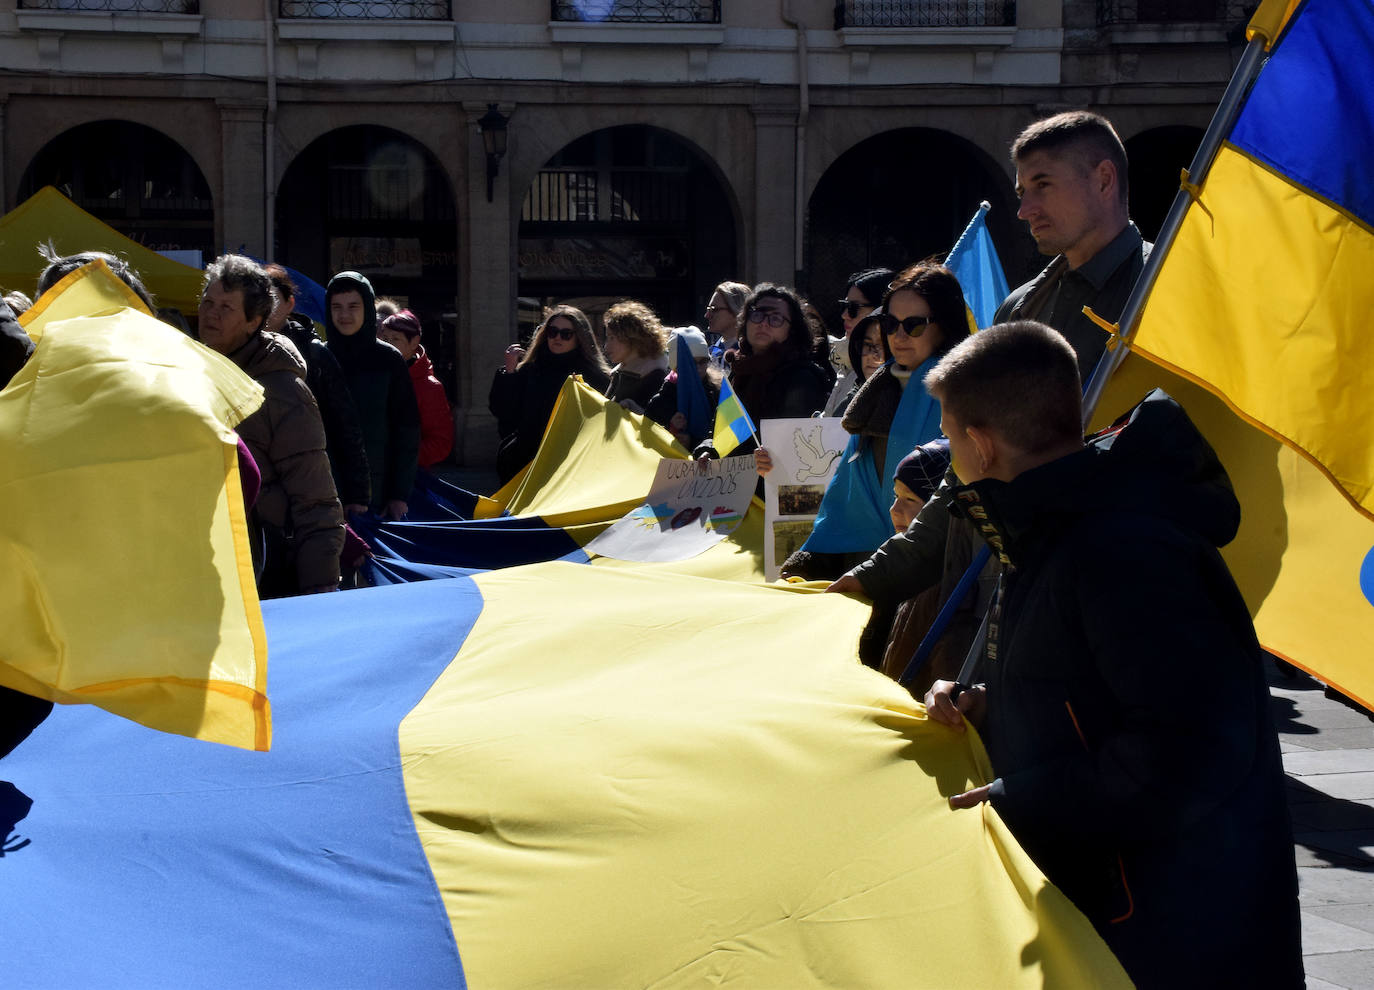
x=1257, y=322
x=733, y=425
x=547, y=776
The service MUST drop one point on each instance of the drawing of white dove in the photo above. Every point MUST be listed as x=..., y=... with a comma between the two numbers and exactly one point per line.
x=816, y=460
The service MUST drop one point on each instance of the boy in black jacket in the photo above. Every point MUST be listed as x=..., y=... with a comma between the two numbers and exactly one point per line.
x=1155, y=803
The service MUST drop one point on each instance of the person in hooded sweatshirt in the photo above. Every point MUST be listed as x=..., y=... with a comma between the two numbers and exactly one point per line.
x=297, y=510
x=1154, y=802
x=402, y=331
x=380, y=384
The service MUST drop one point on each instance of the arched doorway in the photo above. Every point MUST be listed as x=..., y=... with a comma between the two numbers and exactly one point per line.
x=373, y=200
x=136, y=179
x=625, y=212
x=1156, y=158
x=902, y=196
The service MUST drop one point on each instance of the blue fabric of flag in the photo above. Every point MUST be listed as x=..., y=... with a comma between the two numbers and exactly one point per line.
x=308, y=871
x=1310, y=114
x=691, y=393
x=854, y=510
x=974, y=262
x=482, y=544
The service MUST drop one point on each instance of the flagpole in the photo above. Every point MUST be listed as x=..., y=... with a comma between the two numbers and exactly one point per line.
x=1263, y=27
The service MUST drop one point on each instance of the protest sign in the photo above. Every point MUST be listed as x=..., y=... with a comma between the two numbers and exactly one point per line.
x=690, y=508
x=806, y=453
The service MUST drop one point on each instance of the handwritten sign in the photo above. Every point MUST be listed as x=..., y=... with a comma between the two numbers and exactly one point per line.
x=806, y=454
x=690, y=508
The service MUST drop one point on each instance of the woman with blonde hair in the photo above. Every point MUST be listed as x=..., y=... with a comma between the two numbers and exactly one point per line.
x=637, y=344
x=523, y=392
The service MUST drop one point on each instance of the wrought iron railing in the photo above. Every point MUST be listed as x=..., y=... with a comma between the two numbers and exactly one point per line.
x=637, y=11
x=380, y=10
x=924, y=13
x=1227, y=13
x=561, y=196
x=132, y=6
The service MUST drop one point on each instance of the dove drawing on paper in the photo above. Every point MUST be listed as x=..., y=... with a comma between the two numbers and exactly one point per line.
x=811, y=450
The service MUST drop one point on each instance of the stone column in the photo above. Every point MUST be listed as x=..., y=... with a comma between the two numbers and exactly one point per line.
x=241, y=209
x=487, y=285
x=775, y=167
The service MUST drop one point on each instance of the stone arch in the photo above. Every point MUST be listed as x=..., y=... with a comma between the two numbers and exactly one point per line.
x=134, y=177
x=1156, y=157
x=627, y=210
x=901, y=196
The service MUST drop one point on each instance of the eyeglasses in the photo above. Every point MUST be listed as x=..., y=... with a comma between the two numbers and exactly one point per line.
x=563, y=333
x=851, y=307
x=774, y=320
x=913, y=325
x=872, y=350
x=716, y=309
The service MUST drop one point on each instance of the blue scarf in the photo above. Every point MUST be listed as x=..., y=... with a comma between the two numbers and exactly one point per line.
x=854, y=512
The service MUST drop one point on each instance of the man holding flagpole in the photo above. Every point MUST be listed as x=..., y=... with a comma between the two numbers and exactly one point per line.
x=1071, y=178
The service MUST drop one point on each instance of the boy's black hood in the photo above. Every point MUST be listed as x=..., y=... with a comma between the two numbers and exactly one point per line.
x=1151, y=461
x=351, y=282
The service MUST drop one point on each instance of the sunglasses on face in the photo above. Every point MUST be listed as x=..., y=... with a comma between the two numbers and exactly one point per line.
x=913, y=325
x=563, y=333
x=872, y=350
x=774, y=320
x=851, y=307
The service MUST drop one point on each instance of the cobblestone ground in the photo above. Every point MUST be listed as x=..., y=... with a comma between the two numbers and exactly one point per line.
x=1328, y=753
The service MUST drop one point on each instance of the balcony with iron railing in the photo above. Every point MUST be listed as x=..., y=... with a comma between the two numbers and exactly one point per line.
x=924, y=13
x=635, y=11
x=377, y=10
x=116, y=6
x=1220, y=13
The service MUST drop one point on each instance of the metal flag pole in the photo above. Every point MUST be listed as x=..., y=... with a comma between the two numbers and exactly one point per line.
x=1263, y=30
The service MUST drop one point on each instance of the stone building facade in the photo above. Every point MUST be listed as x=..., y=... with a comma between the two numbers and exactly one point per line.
x=652, y=147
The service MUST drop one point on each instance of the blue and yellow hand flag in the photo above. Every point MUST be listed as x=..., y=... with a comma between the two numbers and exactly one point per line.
x=974, y=262
x=547, y=776
x=1258, y=324
x=691, y=393
x=733, y=425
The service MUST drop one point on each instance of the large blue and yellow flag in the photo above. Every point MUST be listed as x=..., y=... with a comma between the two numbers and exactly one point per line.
x=733, y=425
x=974, y=262
x=126, y=579
x=1265, y=295
x=1258, y=325
x=547, y=776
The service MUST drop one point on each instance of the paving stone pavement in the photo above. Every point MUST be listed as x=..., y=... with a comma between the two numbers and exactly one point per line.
x=1328, y=754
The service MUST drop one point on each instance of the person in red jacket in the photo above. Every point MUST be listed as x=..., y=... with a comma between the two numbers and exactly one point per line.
x=402, y=331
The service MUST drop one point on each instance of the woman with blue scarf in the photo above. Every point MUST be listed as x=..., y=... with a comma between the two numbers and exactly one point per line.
x=922, y=317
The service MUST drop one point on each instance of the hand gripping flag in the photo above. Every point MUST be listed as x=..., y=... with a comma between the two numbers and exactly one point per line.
x=127, y=580
x=1256, y=314
x=974, y=262
x=733, y=425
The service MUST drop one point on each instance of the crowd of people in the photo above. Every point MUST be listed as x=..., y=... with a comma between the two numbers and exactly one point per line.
x=1092, y=566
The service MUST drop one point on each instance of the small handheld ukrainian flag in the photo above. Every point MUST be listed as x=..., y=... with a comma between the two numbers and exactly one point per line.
x=733, y=425
x=974, y=262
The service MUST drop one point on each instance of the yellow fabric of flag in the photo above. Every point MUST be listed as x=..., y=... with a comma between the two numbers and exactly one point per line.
x=595, y=462
x=1266, y=296
x=127, y=579
x=1299, y=553
x=613, y=791
x=100, y=292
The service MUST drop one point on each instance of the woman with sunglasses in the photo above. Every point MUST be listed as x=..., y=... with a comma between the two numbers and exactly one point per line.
x=523, y=393
x=773, y=373
x=862, y=294
x=922, y=317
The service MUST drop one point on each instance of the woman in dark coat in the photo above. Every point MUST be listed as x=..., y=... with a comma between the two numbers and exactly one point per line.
x=774, y=374
x=523, y=393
